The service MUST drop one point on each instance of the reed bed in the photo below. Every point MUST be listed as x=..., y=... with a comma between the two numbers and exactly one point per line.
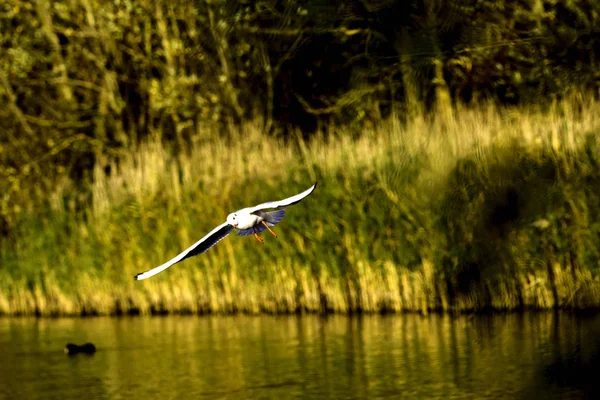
x=482, y=208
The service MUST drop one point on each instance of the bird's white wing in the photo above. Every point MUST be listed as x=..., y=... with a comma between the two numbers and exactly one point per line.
x=285, y=202
x=199, y=247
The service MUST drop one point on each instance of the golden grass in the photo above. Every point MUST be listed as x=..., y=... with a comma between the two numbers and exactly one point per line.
x=394, y=225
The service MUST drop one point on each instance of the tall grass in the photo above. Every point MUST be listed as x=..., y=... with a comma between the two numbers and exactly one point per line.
x=481, y=208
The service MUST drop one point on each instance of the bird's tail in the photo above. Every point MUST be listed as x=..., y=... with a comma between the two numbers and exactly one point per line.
x=274, y=217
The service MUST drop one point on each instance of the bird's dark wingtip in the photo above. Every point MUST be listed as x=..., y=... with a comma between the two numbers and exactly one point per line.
x=137, y=277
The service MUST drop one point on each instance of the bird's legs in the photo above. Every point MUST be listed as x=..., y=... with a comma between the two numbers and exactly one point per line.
x=257, y=237
x=267, y=226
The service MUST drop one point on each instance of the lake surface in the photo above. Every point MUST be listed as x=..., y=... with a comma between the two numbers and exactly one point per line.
x=525, y=356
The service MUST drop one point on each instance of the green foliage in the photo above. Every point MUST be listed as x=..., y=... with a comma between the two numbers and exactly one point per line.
x=483, y=209
x=510, y=199
x=83, y=82
x=90, y=90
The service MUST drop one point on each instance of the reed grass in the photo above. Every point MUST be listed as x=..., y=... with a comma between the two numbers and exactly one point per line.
x=484, y=208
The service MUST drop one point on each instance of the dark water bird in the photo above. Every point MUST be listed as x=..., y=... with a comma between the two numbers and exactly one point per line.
x=250, y=220
x=86, y=348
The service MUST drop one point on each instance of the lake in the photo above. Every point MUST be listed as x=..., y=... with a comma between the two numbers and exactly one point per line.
x=531, y=355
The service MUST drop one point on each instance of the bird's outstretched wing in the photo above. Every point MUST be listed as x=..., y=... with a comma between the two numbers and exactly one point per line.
x=283, y=203
x=199, y=247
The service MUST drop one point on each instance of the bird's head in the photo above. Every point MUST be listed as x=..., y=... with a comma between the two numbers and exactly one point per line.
x=233, y=220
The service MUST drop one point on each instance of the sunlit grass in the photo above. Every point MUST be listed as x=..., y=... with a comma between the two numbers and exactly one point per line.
x=412, y=216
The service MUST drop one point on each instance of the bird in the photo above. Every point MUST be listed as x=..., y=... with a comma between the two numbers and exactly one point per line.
x=249, y=220
x=87, y=348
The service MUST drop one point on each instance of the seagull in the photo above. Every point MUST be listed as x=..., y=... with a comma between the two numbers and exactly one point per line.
x=249, y=220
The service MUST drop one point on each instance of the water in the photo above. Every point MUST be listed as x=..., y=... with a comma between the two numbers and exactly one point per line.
x=529, y=356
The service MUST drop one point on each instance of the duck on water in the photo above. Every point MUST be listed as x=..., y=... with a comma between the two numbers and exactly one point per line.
x=86, y=348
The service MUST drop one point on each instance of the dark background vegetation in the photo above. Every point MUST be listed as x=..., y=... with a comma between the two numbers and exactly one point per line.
x=83, y=81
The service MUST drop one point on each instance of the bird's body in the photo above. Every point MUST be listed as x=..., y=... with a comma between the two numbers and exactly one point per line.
x=246, y=219
x=249, y=220
x=87, y=348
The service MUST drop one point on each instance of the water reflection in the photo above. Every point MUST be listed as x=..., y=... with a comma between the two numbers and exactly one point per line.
x=575, y=357
x=537, y=355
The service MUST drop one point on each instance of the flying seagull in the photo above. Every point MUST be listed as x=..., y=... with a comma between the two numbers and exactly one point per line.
x=250, y=220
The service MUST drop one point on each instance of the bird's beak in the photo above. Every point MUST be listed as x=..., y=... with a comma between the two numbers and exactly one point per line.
x=235, y=226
